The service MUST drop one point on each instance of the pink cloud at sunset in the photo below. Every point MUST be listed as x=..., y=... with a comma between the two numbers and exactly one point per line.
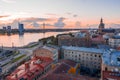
x=52, y=21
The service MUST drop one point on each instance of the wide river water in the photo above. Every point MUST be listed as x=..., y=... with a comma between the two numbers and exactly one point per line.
x=21, y=40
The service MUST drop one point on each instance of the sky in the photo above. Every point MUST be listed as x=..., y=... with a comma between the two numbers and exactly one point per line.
x=59, y=13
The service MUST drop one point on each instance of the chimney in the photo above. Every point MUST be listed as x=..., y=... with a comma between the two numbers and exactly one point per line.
x=27, y=66
x=16, y=76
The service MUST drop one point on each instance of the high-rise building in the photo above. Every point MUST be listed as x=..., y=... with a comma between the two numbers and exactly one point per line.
x=21, y=28
x=4, y=28
x=9, y=29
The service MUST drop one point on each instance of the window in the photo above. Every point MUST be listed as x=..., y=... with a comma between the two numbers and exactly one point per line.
x=90, y=58
x=95, y=63
x=86, y=65
x=86, y=57
x=83, y=61
x=83, y=57
x=99, y=67
x=91, y=54
x=65, y=54
x=95, y=66
x=95, y=55
x=106, y=69
x=118, y=59
x=99, y=56
x=72, y=55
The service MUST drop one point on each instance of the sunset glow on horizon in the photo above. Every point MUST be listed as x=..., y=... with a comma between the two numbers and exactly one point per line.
x=59, y=13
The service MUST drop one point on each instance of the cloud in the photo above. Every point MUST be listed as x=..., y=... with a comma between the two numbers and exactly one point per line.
x=48, y=24
x=35, y=24
x=78, y=24
x=69, y=13
x=14, y=24
x=60, y=22
x=75, y=15
x=9, y=1
x=2, y=16
x=72, y=14
x=34, y=19
x=51, y=14
x=113, y=25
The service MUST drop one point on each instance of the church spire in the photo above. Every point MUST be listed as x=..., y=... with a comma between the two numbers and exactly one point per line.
x=101, y=25
x=101, y=21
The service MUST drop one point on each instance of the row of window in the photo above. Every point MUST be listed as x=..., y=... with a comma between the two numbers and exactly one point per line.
x=83, y=58
x=71, y=52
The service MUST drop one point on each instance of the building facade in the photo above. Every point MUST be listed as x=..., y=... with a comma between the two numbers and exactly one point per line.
x=4, y=28
x=66, y=40
x=46, y=51
x=114, y=41
x=21, y=28
x=87, y=57
x=9, y=29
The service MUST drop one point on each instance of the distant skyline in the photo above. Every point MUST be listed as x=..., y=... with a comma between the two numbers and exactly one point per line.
x=59, y=13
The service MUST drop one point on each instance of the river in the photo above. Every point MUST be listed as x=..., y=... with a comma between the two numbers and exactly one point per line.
x=21, y=40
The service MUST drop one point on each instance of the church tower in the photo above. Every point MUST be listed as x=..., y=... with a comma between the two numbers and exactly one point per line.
x=101, y=26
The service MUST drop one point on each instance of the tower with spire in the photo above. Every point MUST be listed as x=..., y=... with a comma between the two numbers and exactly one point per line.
x=101, y=26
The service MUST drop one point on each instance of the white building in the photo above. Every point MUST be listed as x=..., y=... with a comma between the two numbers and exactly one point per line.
x=87, y=57
x=114, y=41
x=46, y=51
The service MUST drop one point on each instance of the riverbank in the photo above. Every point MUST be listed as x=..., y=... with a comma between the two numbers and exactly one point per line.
x=16, y=31
x=19, y=41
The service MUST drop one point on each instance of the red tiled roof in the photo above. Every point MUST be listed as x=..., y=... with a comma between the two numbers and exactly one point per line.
x=58, y=74
x=99, y=38
x=69, y=62
x=36, y=64
x=65, y=76
x=63, y=68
